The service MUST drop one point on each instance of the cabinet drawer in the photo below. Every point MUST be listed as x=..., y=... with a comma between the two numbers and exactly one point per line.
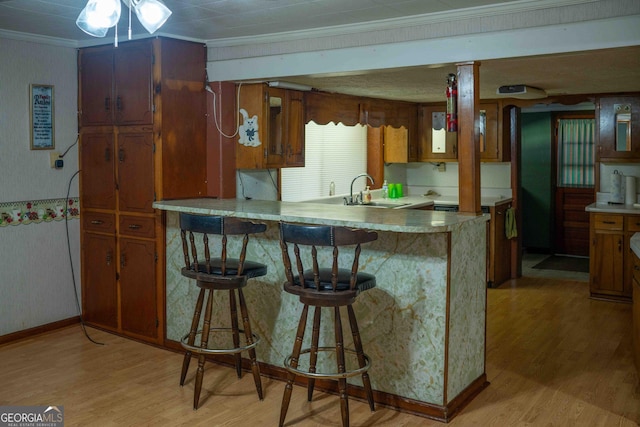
x=632, y=222
x=137, y=226
x=97, y=221
x=608, y=222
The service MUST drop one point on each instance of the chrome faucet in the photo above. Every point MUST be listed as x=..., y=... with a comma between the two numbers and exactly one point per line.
x=351, y=200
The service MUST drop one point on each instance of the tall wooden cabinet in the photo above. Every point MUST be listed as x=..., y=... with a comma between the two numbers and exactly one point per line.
x=142, y=117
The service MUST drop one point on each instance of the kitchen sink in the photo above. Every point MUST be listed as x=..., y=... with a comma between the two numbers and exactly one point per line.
x=384, y=205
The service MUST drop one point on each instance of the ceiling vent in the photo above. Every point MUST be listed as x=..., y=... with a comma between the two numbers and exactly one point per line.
x=521, y=92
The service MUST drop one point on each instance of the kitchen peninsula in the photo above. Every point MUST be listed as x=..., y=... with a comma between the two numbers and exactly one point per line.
x=423, y=325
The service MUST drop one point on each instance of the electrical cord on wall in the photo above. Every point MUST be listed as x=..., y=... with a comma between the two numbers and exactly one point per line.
x=67, y=150
x=215, y=115
x=73, y=276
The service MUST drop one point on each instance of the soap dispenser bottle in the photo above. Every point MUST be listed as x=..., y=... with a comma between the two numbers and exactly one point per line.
x=366, y=197
x=385, y=189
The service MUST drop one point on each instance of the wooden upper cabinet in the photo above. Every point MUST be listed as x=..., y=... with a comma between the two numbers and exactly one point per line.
x=618, y=128
x=97, y=180
x=135, y=172
x=492, y=148
x=435, y=143
x=271, y=134
x=133, y=84
x=396, y=144
x=96, y=88
x=116, y=85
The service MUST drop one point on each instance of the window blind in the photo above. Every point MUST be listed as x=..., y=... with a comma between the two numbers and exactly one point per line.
x=333, y=153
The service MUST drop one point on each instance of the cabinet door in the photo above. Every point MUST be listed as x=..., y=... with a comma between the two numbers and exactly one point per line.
x=613, y=128
x=136, y=172
x=295, y=128
x=138, y=304
x=607, y=263
x=489, y=139
x=133, y=78
x=435, y=143
x=501, y=250
x=97, y=177
x=99, y=293
x=96, y=96
x=276, y=119
x=396, y=145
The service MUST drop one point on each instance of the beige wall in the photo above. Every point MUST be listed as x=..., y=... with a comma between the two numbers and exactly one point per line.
x=35, y=273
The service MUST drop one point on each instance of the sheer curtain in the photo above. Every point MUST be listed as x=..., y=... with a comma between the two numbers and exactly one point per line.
x=576, y=145
x=333, y=153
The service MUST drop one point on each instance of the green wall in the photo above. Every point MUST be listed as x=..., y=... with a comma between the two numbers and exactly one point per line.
x=536, y=181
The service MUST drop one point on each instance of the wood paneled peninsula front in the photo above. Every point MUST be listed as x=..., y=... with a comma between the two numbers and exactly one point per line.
x=423, y=325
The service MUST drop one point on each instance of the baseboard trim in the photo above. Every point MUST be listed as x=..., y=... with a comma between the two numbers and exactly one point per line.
x=442, y=413
x=28, y=333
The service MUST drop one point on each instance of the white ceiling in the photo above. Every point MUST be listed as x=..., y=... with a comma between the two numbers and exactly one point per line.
x=597, y=71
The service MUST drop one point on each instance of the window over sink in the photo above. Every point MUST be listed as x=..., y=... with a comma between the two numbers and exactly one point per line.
x=334, y=153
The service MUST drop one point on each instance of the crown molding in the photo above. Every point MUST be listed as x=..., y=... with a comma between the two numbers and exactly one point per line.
x=521, y=6
x=33, y=38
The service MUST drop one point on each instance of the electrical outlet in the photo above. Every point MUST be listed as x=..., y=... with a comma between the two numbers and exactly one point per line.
x=53, y=157
x=442, y=167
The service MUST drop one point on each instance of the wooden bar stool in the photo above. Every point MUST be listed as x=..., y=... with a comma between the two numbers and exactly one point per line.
x=331, y=286
x=220, y=273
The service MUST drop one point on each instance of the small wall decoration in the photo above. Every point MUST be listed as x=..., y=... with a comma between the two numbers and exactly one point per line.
x=248, y=130
x=42, y=117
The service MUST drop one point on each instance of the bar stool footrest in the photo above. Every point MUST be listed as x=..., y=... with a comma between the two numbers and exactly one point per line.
x=231, y=350
x=328, y=375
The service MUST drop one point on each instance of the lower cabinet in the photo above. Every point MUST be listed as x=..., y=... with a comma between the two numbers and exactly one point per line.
x=100, y=295
x=498, y=247
x=610, y=262
x=120, y=274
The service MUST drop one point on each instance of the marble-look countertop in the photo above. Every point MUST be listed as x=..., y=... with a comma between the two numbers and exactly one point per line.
x=395, y=220
x=607, y=208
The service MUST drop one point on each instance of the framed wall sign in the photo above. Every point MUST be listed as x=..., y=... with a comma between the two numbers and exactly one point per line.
x=42, y=117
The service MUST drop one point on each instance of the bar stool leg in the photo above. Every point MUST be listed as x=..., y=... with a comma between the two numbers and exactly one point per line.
x=342, y=382
x=357, y=342
x=297, y=347
x=204, y=342
x=192, y=336
x=233, y=309
x=313, y=356
x=249, y=336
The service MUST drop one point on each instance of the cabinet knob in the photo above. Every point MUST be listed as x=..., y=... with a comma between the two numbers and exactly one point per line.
x=97, y=222
x=109, y=257
x=121, y=155
x=135, y=226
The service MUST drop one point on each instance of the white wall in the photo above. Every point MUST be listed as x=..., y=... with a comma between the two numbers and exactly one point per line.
x=35, y=274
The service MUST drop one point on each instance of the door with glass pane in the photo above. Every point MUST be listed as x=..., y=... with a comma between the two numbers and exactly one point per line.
x=574, y=182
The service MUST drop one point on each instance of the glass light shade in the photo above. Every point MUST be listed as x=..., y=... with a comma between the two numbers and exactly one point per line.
x=152, y=14
x=98, y=16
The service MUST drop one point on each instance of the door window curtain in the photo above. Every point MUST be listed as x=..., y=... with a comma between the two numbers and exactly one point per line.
x=576, y=152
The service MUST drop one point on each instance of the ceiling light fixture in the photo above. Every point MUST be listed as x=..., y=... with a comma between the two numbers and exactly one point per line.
x=99, y=15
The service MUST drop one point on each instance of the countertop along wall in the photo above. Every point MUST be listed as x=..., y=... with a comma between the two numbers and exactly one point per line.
x=35, y=273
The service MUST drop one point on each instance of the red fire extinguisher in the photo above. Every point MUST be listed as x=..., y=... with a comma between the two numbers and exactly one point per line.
x=452, y=103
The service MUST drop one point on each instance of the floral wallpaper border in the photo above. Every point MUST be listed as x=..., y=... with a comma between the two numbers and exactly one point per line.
x=36, y=211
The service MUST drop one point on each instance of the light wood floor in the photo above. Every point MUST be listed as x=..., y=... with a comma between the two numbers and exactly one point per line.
x=554, y=358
